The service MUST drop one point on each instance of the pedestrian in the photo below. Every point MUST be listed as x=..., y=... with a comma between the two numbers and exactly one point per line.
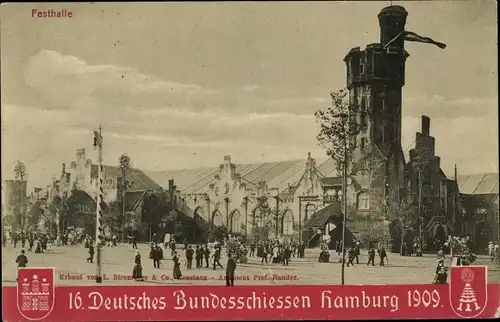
x=198, y=255
x=30, y=242
x=22, y=260
x=383, y=254
x=134, y=243
x=185, y=243
x=286, y=256
x=371, y=257
x=230, y=269
x=217, y=259
x=176, y=274
x=91, y=253
x=155, y=256
x=351, y=254
x=189, y=257
x=264, y=254
x=357, y=251
x=206, y=253
x=172, y=247
x=491, y=250
x=252, y=249
x=137, y=271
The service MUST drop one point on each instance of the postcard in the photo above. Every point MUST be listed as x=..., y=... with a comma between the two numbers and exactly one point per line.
x=249, y=161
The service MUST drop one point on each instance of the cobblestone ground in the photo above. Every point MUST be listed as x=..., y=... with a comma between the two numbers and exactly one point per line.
x=118, y=264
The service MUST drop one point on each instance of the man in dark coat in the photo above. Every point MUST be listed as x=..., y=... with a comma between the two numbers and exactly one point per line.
x=230, y=269
x=217, y=259
x=22, y=260
x=91, y=253
x=198, y=255
x=357, y=247
x=206, y=253
x=287, y=254
x=371, y=257
x=189, y=257
x=351, y=253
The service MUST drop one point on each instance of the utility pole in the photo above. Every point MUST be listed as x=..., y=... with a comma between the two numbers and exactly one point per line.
x=246, y=217
x=123, y=208
x=344, y=195
x=420, y=202
x=277, y=214
x=98, y=140
x=344, y=217
x=300, y=219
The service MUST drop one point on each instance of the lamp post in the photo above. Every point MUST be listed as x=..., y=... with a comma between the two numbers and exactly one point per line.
x=276, y=196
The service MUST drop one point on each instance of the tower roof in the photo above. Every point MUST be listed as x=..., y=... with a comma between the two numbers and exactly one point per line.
x=393, y=10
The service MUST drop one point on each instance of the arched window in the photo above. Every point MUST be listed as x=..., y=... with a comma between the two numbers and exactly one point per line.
x=287, y=223
x=362, y=114
x=363, y=200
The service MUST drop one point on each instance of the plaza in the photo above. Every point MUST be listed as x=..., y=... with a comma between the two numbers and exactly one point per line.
x=72, y=269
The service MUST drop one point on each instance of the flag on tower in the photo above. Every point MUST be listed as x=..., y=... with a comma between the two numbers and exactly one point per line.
x=97, y=139
x=411, y=36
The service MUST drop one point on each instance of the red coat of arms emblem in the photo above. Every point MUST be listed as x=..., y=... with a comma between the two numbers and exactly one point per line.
x=468, y=290
x=35, y=292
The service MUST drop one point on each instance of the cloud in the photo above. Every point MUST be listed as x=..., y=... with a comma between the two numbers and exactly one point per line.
x=165, y=124
x=437, y=106
x=68, y=82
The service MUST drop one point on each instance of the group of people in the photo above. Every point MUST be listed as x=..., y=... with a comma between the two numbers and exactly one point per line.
x=39, y=241
x=494, y=251
x=201, y=254
x=413, y=248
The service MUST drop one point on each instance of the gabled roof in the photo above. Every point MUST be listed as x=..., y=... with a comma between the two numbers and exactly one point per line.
x=139, y=178
x=478, y=184
x=132, y=199
x=321, y=217
x=276, y=174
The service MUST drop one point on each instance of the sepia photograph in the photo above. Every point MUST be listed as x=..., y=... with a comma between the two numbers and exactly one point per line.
x=249, y=144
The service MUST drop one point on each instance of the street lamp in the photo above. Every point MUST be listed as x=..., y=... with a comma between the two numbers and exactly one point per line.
x=275, y=195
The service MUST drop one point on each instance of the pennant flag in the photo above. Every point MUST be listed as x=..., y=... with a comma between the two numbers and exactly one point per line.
x=411, y=36
x=97, y=139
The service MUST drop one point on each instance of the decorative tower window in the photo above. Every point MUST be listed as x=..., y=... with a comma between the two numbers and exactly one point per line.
x=362, y=144
x=361, y=68
x=362, y=114
x=363, y=200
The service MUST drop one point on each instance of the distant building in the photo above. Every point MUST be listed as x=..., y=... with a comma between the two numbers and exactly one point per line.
x=78, y=185
x=479, y=214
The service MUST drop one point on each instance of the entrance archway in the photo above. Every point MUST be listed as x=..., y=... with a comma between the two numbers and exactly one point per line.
x=235, y=221
x=287, y=223
x=217, y=218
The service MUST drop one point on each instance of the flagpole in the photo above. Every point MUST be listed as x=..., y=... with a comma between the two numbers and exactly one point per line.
x=98, y=141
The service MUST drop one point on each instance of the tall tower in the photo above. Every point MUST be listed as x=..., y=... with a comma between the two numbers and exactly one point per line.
x=375, y=79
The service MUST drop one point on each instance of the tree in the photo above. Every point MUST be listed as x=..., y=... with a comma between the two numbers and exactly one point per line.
x=125, y=165
x=338, y=128
x=35, y=214
x=20, y=171
x=338, y=131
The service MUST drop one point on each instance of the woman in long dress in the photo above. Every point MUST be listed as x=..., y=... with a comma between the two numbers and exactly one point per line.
x=137, y=272
x=177, y=266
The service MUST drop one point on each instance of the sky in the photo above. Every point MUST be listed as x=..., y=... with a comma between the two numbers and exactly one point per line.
x=180, y=85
